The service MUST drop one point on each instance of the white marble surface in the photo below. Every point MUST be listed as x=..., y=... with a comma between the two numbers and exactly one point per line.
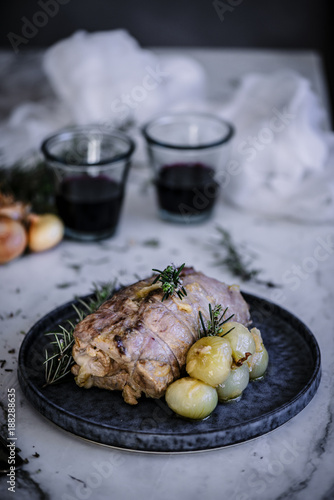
x=293, y=462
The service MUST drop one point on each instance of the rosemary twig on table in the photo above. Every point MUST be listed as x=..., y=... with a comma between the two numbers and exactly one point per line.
x=214, y=324
x=171, y=281
x=58, y=363
x=235, y=262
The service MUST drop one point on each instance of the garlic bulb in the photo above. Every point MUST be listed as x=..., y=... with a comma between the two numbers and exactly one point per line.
x=13, y=239
x=45, y=231
x=14, y=209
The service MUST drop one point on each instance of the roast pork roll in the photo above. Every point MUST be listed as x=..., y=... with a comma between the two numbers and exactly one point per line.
x=138, y=344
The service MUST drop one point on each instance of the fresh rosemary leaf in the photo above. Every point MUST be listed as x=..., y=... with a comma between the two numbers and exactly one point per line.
x=216, y=320
x=235, y=262
x=58, y=363
x=171, y=281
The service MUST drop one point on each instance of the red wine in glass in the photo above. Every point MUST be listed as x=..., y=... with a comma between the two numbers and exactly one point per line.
x=187, y=190
x=90, y=205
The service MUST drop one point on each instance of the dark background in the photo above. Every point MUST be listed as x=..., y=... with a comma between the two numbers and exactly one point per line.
x=295, y=24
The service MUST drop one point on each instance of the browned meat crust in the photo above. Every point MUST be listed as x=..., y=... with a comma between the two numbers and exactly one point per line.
x=137, y=344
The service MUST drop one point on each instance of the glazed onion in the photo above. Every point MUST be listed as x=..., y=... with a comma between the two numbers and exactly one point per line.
x=241, y=340
x=13, y=239
x=235, y=383
x=258, y=362
x=209, y=360
x=191, y=398
x=45, y=231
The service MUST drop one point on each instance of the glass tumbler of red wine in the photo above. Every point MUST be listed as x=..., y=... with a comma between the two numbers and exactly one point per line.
x=188, y=153
x=91, y=165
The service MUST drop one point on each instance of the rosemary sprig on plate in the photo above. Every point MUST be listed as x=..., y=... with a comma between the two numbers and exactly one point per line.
x=214, y=324
x=171, y=281
x=58, y=363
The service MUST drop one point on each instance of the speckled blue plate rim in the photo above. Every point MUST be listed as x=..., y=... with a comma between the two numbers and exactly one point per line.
x=183, y=442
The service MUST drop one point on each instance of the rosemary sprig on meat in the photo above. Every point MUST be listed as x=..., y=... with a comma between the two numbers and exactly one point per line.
x=58, y=363
x=214, y=325
x=171, y=281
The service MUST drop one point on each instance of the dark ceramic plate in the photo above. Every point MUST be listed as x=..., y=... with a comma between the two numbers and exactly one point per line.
x=291, y=381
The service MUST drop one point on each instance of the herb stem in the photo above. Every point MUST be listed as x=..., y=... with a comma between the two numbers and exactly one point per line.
x=236, y=262
x=216, y=320
x=59, y=362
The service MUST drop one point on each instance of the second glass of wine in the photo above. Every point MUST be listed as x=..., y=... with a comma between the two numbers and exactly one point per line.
x=187, y=151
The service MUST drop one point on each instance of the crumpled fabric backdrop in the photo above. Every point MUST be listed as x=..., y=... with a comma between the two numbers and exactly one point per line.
x=282, y=162
x=283, y=157
x=100, y=78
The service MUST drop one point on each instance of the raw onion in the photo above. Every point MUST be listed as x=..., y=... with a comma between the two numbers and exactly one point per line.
x=13, y=239
x=45, y=231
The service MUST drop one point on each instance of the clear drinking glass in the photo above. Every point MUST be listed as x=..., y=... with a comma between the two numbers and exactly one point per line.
x=187, y=151
x=91, y=165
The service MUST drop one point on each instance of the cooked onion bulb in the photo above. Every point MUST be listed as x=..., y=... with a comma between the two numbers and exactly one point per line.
x=191, y=398
x=235, y=383
x=209, y=360
x=13, y=239
x=45, y=231
x=258, y=362
x=241, y=340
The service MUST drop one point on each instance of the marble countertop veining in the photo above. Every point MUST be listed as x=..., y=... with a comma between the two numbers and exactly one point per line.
x=294, y=462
